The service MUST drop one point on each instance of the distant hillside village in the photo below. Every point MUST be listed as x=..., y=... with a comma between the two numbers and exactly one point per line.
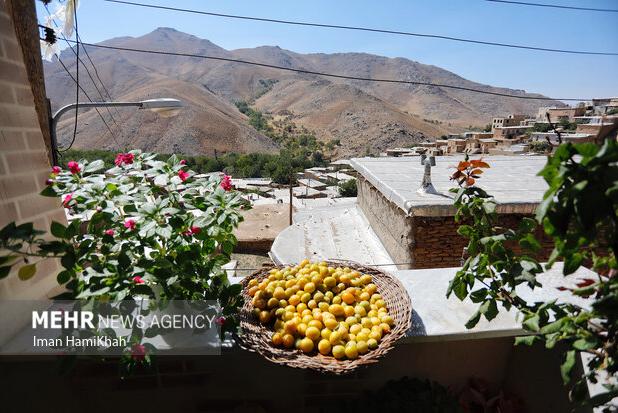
x=518, y=134
x=515, y=134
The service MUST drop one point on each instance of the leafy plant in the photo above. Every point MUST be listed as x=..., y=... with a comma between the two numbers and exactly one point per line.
x=348, y=188
x=580, y=213
x=144, y=227
x=541, y=146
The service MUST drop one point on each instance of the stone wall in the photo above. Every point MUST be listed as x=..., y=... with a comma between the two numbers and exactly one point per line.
x=388, y=221
x=24, y=157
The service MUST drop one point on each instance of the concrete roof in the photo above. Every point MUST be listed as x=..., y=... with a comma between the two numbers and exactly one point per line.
x=514, y=127
x=263, y=222
x=312, y=183
x=340, y=176
x=337, y=231
x=341, y=162
x=511, y=180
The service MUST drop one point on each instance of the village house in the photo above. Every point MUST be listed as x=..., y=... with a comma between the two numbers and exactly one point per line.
x=600, y=127
x=558, y=114
x=566, y=137
x=477, y=135
x=419, y=228
x=510, y=132
x=605, y=106
x=511, y=120
x=456, y=145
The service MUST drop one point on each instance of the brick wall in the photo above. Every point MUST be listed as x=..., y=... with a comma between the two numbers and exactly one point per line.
x=437, y=244
x=24, y=160
x=424, y=242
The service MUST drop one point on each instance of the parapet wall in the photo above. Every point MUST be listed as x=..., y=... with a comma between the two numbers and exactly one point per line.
x=388, y=221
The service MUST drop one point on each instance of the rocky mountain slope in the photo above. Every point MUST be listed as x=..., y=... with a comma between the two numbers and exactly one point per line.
x=362, y=115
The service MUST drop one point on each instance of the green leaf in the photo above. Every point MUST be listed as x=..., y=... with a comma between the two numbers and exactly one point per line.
x=478, y=295
x=554, y=327
x=465, y=230
x=527, y=224
x=585, y=343
x=4, y=271
x=7, y=258
x=567, y=366
x=458, y=286
x=489, y=309
x=530, y=243
x=526, y=340
x=473, y=320
x=49, y=191
x=489, y=207
x=94, y=166
x=26, y=272
x=541, y=210
x=532, y=323
x=57, y=229
x=63, y=277
x=572, y=263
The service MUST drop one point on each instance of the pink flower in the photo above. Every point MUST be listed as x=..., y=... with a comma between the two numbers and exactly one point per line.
x=56, y=170
x=65, y=201
x=226, y=183
x=183, y=175
x=74, y=167
x=130, y=224
x=220, y=321
x=183, y=162
x=138, y=352
x=124, y=159
x=192, y=231
x=138, y=280
x=109, y=232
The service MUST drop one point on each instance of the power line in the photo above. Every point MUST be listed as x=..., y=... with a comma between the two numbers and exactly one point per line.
x=555, y=6
x=365, y=29
x=338, y=76
x=90, y=100
x=96, y=73
x=93, y=82
x=76, y=79
x=87, y=70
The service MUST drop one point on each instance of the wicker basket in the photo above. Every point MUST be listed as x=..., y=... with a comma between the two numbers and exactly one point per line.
x=256, y=337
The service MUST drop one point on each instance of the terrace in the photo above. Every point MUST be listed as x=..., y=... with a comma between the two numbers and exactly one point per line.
x=391, y=225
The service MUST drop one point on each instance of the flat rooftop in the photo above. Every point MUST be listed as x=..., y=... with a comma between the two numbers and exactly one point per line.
x=512, y=180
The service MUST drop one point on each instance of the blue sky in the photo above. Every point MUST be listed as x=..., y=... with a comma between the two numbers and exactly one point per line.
x=555, y=75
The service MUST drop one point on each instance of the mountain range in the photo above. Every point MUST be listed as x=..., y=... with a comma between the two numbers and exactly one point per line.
x=362, y=115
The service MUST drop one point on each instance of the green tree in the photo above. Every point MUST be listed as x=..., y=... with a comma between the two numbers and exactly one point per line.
x=348, y=188
x=580, y=214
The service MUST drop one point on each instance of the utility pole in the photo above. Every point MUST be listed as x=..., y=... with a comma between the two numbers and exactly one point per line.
x=291, y=199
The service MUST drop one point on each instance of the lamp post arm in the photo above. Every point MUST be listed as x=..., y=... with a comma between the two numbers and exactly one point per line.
x=56, y=117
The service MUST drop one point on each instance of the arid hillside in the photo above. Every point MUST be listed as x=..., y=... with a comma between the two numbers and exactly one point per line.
x=362, y=115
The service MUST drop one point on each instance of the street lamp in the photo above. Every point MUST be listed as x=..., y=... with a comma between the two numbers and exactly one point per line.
x=165, y=107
